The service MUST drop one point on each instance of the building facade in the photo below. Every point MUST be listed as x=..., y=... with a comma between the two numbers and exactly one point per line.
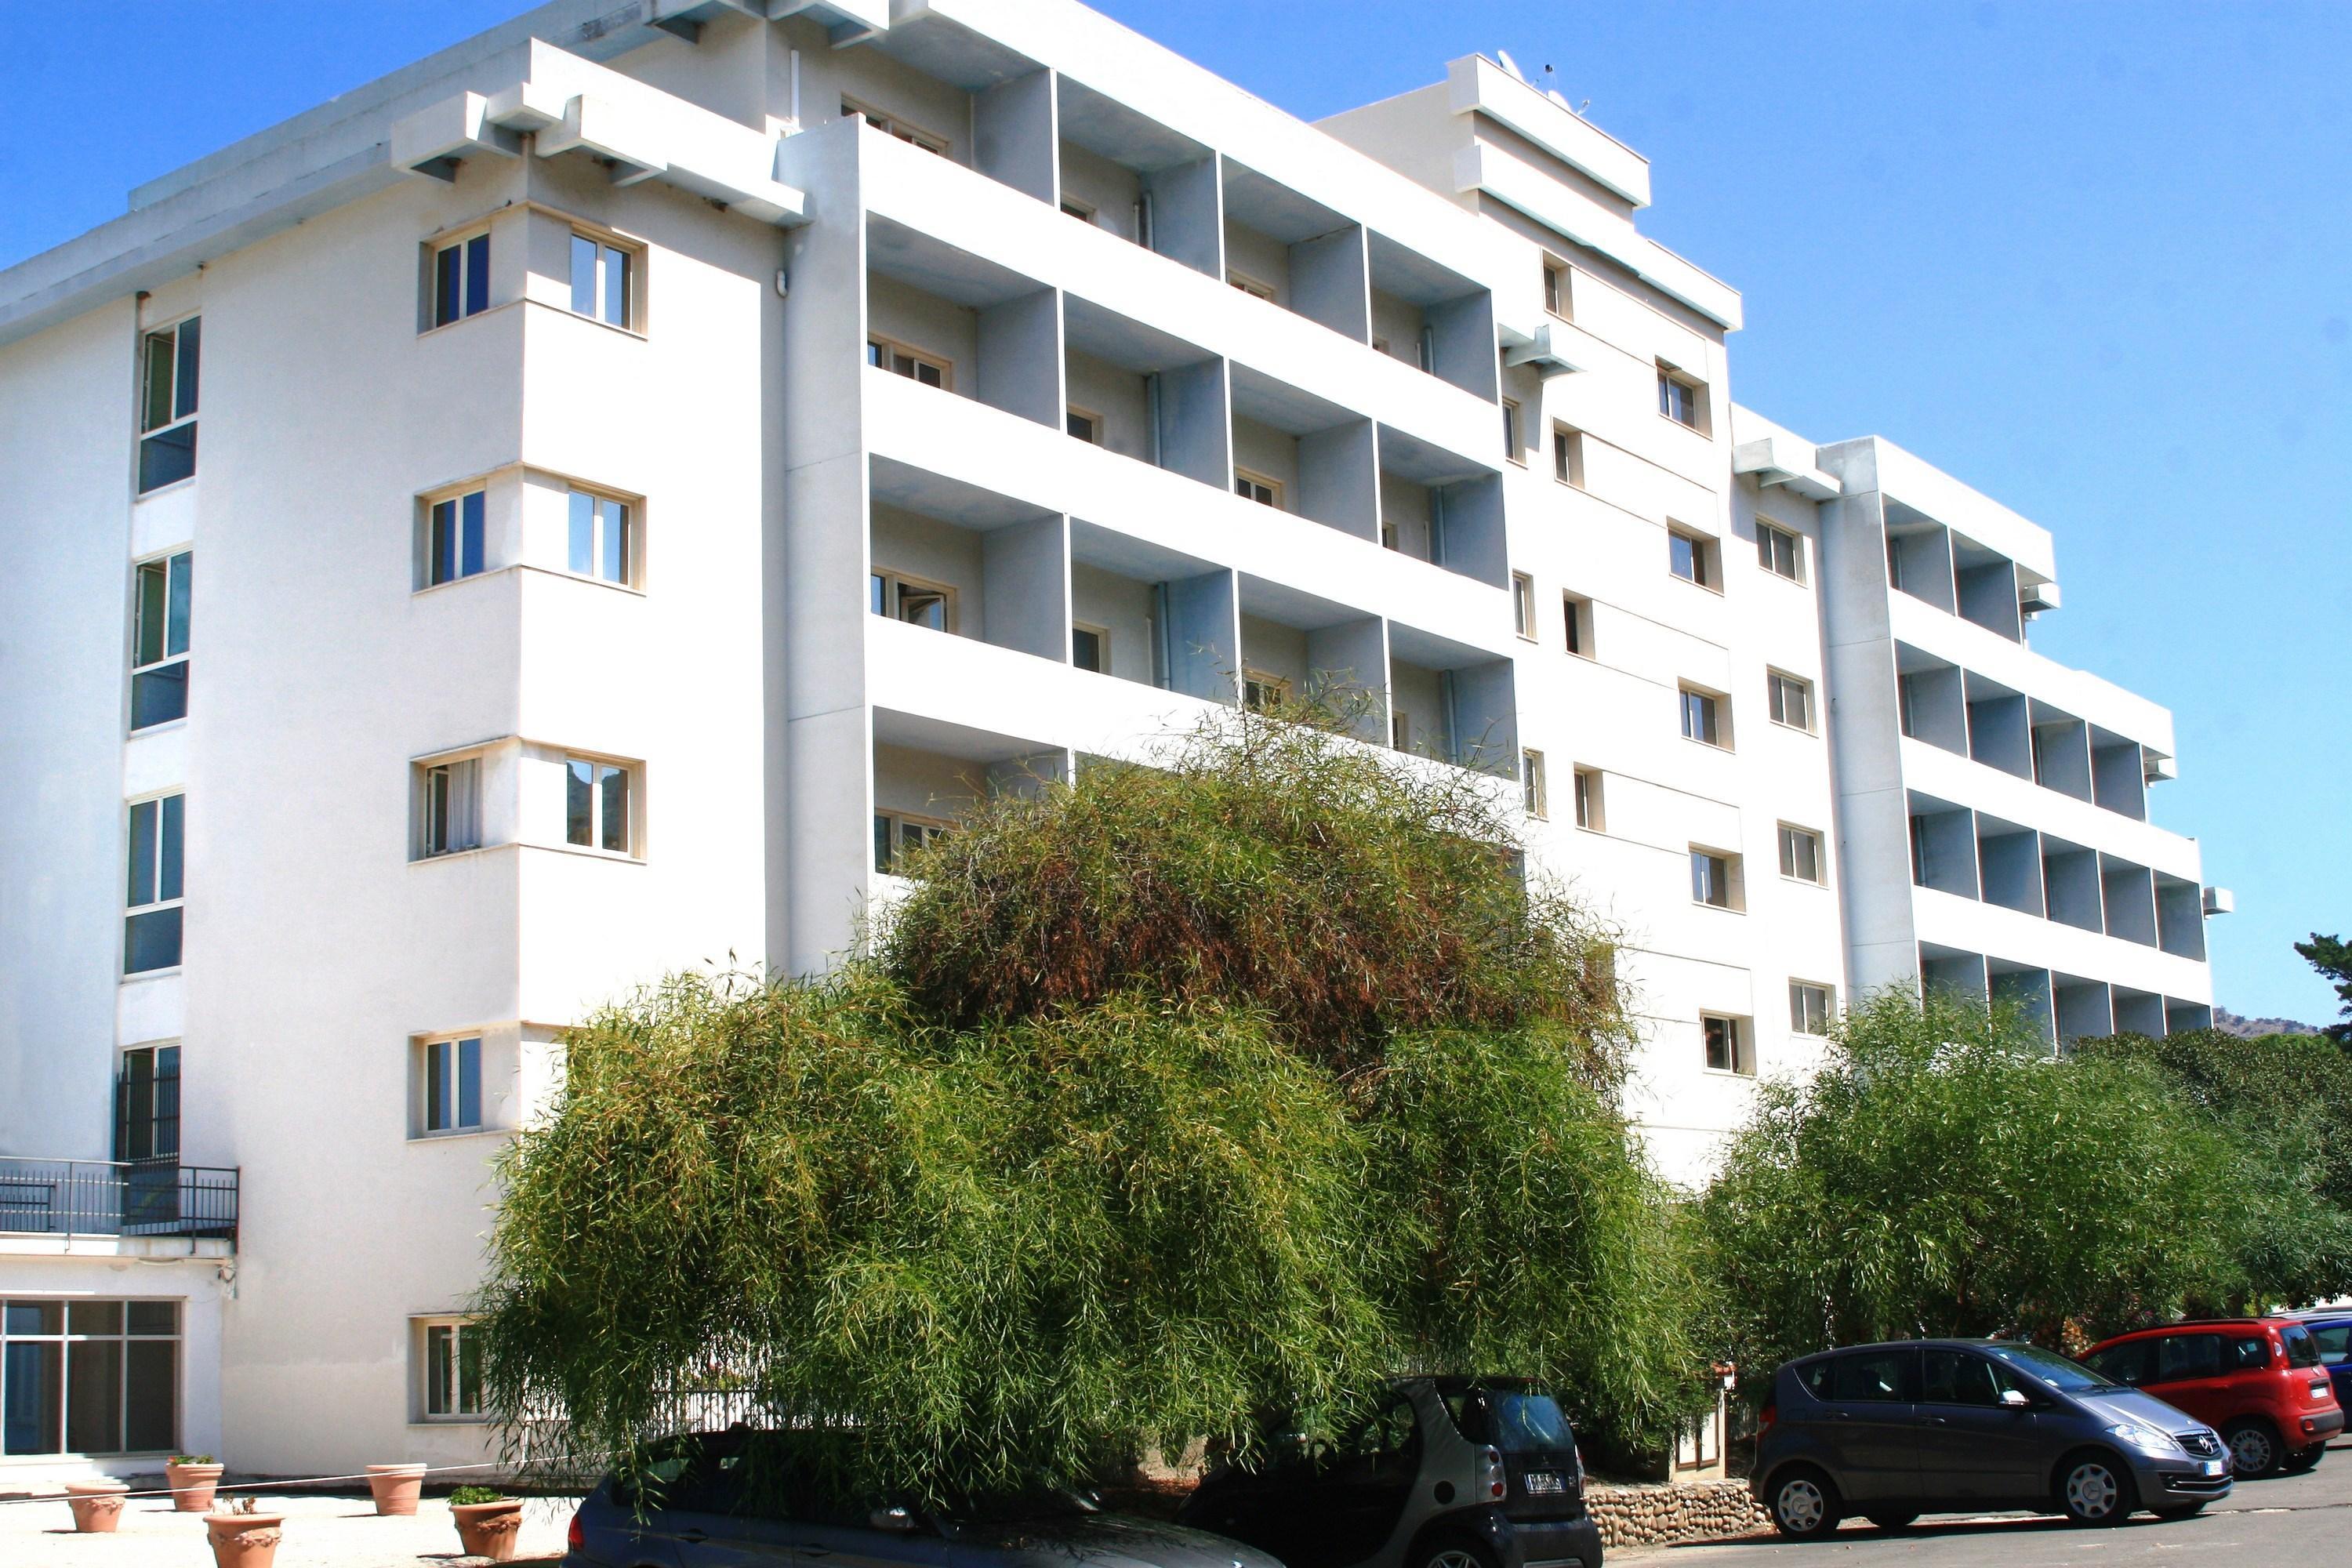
x=627, y=476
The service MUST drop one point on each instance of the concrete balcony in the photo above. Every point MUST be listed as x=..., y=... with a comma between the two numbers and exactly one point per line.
x=1934, y=770
x=2015, y=937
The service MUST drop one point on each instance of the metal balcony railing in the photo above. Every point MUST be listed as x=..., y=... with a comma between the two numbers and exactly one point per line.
x=108, y=1197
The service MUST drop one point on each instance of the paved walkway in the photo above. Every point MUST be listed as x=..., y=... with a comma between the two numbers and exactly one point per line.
x=321, y=1531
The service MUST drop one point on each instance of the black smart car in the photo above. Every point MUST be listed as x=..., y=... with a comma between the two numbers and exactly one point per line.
x=1447, y=1472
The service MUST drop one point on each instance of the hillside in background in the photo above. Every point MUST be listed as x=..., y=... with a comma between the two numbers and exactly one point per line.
x=2230, y=1023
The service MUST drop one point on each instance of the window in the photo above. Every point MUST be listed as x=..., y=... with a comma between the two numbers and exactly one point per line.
x=1523, y=605
x=1809, y=1008
x=1778, y=551
x=913, y=363
x=1680, y=398
x=1090, y=647
x=1920, y=850
x=158, y=652
x=1532, y=792
x=1714, y=878
x=1263, y=693
x=89, y=1377
x=1790, y=700
x=1086, y=426
x=147, y=1104
x=453, y=537
x=1567, y=455
x=448, y=808
x=896, y=833
x=1728, y=1048
x=452, y=1370
x=596, y=805
x=1578, y=614
x=1691, y=557
x=602, y=280
x=1251, y=285
x=1257, y=487
x=1400, y=730
x=1894, y=561
x=1800, y=854
x=600, y=537
x=1701, y=719
x=1589, y=805
x=1082, y=211
x=451, y=1081
x=1958, y=1377
x=910, y=599
x=1556, y=290
x=1511, y=431
x=167, y=405
x=890, y=125
x=155, y=899
x=461, y=279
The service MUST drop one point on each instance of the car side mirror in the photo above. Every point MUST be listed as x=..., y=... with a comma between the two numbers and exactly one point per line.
x=897, y=1519
x=2016, y=1399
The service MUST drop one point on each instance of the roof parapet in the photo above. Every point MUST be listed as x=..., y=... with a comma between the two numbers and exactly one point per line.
x=1475, y=82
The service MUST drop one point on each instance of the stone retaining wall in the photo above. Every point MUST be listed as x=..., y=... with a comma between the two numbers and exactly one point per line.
x=1662, y=1516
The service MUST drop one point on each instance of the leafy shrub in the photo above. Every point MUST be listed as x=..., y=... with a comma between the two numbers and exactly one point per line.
x=464, y=1497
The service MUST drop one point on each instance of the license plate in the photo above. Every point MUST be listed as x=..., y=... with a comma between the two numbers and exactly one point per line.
x=1540, y=1483
x=2211, y=1468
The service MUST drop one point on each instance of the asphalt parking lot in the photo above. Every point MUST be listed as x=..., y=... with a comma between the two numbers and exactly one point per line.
x=2281, y=1523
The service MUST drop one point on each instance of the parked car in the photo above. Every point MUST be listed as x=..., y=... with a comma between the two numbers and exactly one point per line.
x=743, y=1499
x=1446, y=1472
x=2331, y=1330
x=2257, y=1380
x=1894, y=1431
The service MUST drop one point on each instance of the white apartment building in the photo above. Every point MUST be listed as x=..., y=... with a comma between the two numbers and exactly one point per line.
x=626, y=476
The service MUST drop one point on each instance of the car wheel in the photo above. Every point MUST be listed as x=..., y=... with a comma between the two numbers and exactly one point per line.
x=1457, y=1553
x=2095, y=1489
x=2252, y=1450
x=2179, y=1511
x=1804, y=1505
x=2297, y=1464
x=1892, y=1520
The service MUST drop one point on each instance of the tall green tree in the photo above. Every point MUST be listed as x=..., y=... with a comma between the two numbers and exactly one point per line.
x=2333, y=958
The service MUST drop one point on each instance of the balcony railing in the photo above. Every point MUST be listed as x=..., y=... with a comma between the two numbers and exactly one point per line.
x=106, y=1197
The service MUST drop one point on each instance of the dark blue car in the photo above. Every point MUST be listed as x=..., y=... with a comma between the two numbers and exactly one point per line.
x=2332, y=1331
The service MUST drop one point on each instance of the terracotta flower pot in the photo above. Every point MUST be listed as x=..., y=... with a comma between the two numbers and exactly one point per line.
x=97, y=1505
x=486, y=1528
x=244, y=1540
x=193, y=1486
x=396, y=1486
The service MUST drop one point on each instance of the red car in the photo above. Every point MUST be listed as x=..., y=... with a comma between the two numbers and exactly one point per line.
x=2257, y=1381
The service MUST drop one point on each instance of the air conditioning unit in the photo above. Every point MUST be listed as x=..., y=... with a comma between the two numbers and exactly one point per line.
x=2154, y=767
x=2221, y=902
x=2035, y=598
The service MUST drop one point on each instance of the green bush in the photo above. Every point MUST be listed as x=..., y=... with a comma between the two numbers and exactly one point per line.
x=1172, y=1104
x=464, y=1497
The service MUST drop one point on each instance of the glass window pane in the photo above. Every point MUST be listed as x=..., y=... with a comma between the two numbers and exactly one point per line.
x=881, y=843
x=155, y=583
x=578, y=786
x=184, y=378
x=151, y=1392
x=436, y=1087
x=154, y=1317
x=878, y=594
x=151, y=941
x=471, y=506
x=448, y=284
x=616, y=287
x=157, y=405
x=469, y=1374
x=29, y=1389
x=583, y=533
x=441, y=547
x=169, y=852
x=1682, y=557
x=469, y=1083
x=159, y=695
x=613, y=787
x=35, y=1318
x=478, y=273
x=584, y=275
x=183, y=570
x=93, y=1317
x=94, y=1396
x=438, y=1367
x=167, y=456
x=142, y=853
x=616, y=516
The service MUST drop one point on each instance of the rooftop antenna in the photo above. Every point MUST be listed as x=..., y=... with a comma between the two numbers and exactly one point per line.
x=1552, y=90
x=1502, y=58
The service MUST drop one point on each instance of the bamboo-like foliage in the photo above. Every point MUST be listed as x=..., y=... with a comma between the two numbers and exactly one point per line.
x=1172, y=1102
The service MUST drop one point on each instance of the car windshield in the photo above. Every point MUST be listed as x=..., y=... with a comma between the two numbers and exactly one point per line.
x=2056, y=1371
x=2302, y=1349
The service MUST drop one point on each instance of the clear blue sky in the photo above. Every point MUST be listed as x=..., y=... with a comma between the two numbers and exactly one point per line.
x=2091, y=257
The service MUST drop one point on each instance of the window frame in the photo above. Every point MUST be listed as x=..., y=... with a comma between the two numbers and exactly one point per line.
x=471, y=273
x=929, y=827
x=601, y=768
x=176, y=432
x=1255, y=288
x=1778, y=686
x=423, y=1330
x=470, y=534
x=1723, y=867
x=1535, y=796
x=1400, y=729
x=1673, y=379
x=895, y=584
x=1802, y=1015
x=1078, y=208
x=177, y=603
x=1770, y=537
x=631, y=533
x=1279, y=686
x=1514, y=446
x=1591, y=800
x=1576, y=612
x=168, y=869
x=1102, y=646
x=1786, y=839
x=1707, y=558
x=1073, y=413
x=632, y=257
x=1523, y=606
x=1567, y=455
x=1256, y=481
x=1717, y=706
x=1559, y=288
x=917, y=359
x=429, y=811
x=1740, y=1056
x=896, y=126
x=122, y=1338
x=437, y=1054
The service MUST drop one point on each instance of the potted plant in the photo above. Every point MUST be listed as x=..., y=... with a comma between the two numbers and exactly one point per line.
x=243, y=1537
x=193, y=1477
x=97, y=1505
x=396, y=1486
x=488, y=1521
